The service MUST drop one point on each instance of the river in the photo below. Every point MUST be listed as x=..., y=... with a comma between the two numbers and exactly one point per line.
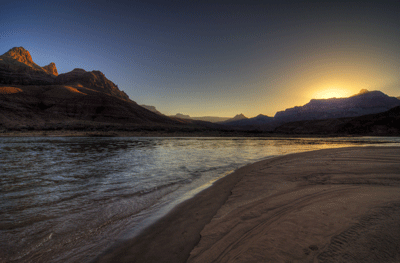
x=67, y=199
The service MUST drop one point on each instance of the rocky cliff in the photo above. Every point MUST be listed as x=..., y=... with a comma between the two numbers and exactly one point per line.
x=51, y=69
x=17, y=67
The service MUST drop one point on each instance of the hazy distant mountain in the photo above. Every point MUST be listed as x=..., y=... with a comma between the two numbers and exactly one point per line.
x=204, y=118
x=36, y=97
x=210, y=119
x=234, y=119
x=182, y=116
x=366, y=102
x=258, y=120
x=151, y=108
x=383, y=124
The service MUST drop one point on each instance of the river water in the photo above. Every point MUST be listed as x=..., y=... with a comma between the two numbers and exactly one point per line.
x=69, y=199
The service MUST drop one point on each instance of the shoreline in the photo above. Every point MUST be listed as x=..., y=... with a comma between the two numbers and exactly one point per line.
x=223, y=222
x=111, y=133
x=174, y=235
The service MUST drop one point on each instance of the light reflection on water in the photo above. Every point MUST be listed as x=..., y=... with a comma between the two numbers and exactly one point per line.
x=68, y=199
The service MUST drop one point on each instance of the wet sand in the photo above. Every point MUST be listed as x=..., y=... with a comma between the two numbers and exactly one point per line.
x=334, y=205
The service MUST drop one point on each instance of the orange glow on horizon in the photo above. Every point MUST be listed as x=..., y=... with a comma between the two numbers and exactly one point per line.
x=331, y=93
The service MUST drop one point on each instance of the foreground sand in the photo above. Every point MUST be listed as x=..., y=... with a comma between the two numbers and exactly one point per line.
x=335, y=205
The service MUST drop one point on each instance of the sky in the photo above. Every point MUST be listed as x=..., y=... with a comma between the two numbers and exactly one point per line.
x=216, y=58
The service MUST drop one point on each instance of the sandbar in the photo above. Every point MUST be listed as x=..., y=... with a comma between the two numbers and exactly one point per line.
x=331, y=205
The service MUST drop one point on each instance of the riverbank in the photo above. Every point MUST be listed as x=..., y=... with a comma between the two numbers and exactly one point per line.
x=170, y=133
x=321, y=206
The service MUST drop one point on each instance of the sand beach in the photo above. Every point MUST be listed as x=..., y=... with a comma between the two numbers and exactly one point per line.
x=331, y=205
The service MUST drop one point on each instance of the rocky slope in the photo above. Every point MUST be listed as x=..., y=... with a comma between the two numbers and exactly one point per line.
x=94, y=80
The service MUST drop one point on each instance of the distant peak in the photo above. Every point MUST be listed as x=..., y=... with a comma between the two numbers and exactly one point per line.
x=51, y=69
x=180, y=115
x=20, y=54
x=374, y=93
x=259, y=116
x=239, y=117
x=363, y=91
x=79, y=70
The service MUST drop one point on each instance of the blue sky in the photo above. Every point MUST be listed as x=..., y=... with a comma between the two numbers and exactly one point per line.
x=217, y=58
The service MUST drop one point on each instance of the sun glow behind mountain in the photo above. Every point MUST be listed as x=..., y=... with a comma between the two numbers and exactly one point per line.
x=332, y=93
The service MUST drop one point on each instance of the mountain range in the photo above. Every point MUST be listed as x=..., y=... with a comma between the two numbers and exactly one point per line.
x=37, y=97
x=364, y=103
x=187, y=117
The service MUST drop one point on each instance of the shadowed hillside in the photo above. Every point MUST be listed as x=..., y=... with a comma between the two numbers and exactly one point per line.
x=384, y=123
x=366, y=102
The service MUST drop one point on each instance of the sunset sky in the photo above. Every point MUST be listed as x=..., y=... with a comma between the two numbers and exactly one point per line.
x=216, y=58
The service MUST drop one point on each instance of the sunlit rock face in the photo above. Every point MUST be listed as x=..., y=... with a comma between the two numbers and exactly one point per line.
x=51, y=69
x=21, y=55
x=17, y=67
x=365, y=102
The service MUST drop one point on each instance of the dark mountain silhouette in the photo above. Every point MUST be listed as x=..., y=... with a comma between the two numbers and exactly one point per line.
x=238, y=117
x=259, y=123
x=363, y=103
x=382, y=124
x=250, y=122
x=366, y=102
x=36, y=97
